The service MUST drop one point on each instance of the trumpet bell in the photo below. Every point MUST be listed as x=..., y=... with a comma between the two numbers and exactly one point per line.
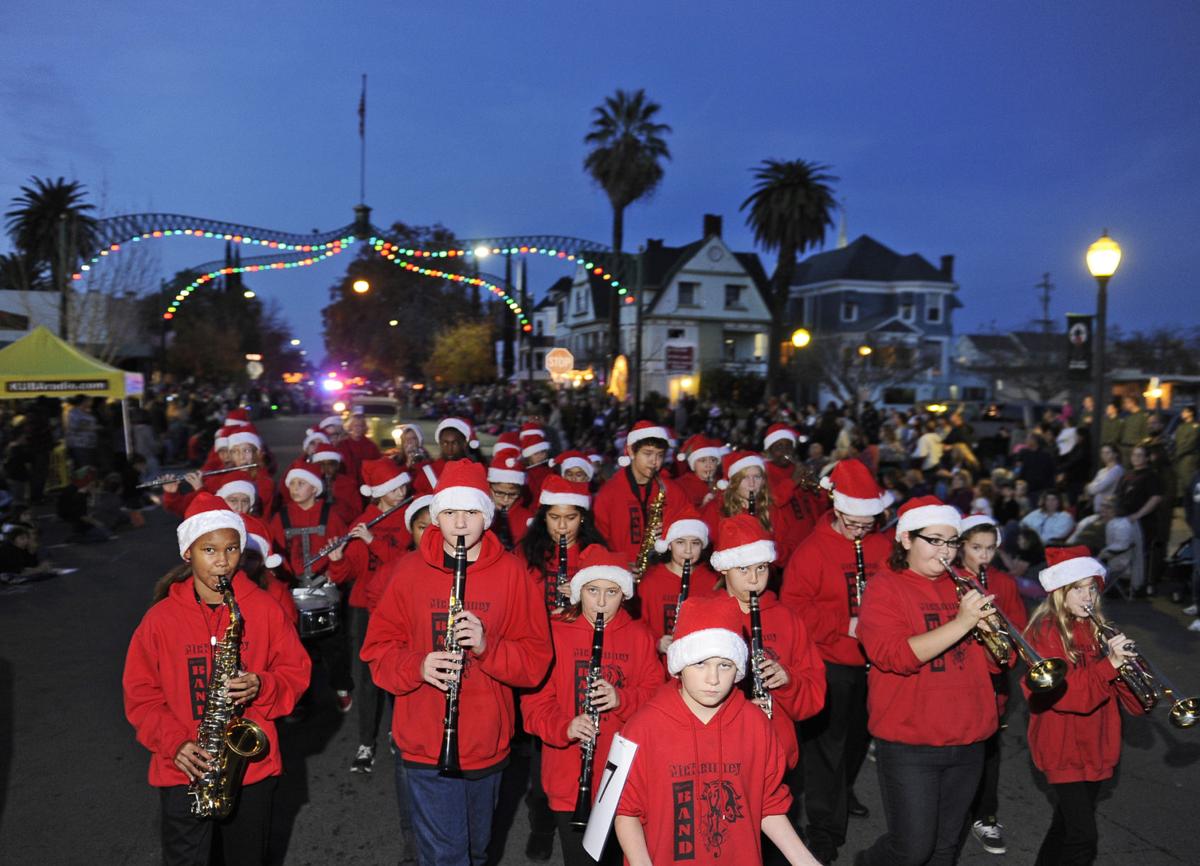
x=1046, y=674
x=1185, y=712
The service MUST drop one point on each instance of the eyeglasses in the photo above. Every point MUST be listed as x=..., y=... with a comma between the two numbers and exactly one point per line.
x=938, y=542
x=854, y=524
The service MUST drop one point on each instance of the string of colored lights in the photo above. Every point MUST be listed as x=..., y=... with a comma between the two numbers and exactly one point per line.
x=333, y=249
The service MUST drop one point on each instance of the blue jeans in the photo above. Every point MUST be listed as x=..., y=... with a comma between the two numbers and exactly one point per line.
x=451, y=818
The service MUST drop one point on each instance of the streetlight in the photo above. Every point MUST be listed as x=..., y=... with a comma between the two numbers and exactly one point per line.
x=249, y=293
x=801, y=338
x=1103, y=258
x=361, y=287
x=864, y=350
x=295, y=341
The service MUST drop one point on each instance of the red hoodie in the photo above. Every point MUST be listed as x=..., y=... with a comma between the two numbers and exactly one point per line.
x=1075, y=730
x=354, y=452
x=782, y=527
x=259, y=477
x=535, y=477
x=947, y=701
x=702, y=790
x=293, y=551
x=410, y=623
x=169, y=663
x=819, y=585
x=548, y=590
x=786, y=641
x=389, y=540
x=629, y=663
x=659, y=594
x=518, y=517
x=693, y=488
x=619, y=514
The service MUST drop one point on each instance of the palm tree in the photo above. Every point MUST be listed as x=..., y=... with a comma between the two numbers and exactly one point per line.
x=790, y=209
x=51, y=227
x=625, y=160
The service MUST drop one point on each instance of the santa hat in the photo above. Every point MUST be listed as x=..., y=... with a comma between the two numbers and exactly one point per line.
x=404, y=428
x=598, y=563
x=331, y=421
x=381, y=476
x=245, y=437
x=776, y=432
x=205, y=514
x=1068, y=565
x=325, y=454
x=926, y=511
x=642, y=430
x=559, y=491
x=410, y=513
x=313, y=435
x=969, y=523
x=595, y=458
x=306, y=475
x=573, y=460
x=237, y=418
x=530, y=429
x=238, y=485
x=708, y=628
x=506, y=442
x=698, y=447
x=462, y=425
x=741, y=541
x=685, y=524
x=463, y=485
x=532, y=445
x=258, y=537
x=506, y=469
x=737, y=461
x=855, y=491
x=220, y=440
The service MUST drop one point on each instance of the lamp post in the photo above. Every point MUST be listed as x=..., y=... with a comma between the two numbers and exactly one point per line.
x=1103, y=258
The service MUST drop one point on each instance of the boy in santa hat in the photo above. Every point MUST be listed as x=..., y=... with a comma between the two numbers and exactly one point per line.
x=456, y=440
x=357, y=447
x=703, y=457
x=623, y=504
x=684, y=540
x=505, y=641
x=259, y=561
x=821, y=583
x=506, y=479
x=168, y=670
x=246, y=450
x=535, y=452
x=556, y=712
x=340, y=489
x=239, y=494
x=706, y=782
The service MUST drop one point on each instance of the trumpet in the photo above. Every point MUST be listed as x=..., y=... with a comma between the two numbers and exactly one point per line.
x=1044, y=674
x=176, y=477
x=1146, y=683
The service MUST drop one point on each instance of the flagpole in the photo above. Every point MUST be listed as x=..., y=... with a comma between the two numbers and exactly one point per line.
x=362, y=136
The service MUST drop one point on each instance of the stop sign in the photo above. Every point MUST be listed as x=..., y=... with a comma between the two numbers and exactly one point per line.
x=559, y=361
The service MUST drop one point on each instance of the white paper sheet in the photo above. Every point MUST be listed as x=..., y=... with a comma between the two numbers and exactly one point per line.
x=612, y=782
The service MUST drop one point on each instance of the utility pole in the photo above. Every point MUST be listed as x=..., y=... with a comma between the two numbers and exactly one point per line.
x=509, y=322
x=1045, y=288
x=637, y=382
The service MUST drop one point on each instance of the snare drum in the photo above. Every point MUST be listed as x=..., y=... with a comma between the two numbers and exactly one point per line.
x=318, y=608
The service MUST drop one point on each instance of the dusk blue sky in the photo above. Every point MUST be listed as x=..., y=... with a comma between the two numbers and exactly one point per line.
x=1008, y=134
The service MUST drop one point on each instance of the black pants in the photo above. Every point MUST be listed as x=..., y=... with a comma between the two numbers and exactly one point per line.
x=926, y=791
x=541, y=819
x=243, y=836
x=369, y=697
x=334, y=651
x=1072, y=838
x=572, y=844
x=987, y=800
x=833, y=743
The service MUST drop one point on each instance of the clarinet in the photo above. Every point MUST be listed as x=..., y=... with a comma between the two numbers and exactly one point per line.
x=752, y=506
x=860, y=572
x=503, y=528
x=759, y=689
x=583, y=800
x=554, y=588
x=685, y=586
x=448, y=764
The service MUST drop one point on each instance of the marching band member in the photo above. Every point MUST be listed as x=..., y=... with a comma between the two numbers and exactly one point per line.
x=259, y=561
x=744, y=486
x=506, y=638
x=703, y=458
x=564, y=512
x=356, y=448
x=779, y=448
x=557, y=714
x=1075, y=730
x=623, y=504
x=574, y=466
x=535, y=452
x=684, y=540
x=930, y=698
x=341, y=490
x=174, y=650
x=506, y=479
x=246, y=449
x=821, y=585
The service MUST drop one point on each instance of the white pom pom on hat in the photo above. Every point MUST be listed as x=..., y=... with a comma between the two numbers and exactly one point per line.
x=854, y=489
x=381, y=476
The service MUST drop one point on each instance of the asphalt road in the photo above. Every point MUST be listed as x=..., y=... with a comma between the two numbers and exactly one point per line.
x=73, y=779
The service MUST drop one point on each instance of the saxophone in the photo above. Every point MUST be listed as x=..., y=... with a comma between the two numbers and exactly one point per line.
x=653, y=527
x=231, y=740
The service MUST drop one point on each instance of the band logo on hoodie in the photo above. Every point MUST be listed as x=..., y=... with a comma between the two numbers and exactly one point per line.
x=610, y=673
x=635, y=524
x=197, y=668
x=720, y=805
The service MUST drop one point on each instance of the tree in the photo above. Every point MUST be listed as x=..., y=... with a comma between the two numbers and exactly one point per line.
x=625, y=161
x=789, y=211
x=51, y=227
x=463, y=355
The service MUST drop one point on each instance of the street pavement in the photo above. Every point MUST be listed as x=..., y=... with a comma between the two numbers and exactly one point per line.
x=73, y=779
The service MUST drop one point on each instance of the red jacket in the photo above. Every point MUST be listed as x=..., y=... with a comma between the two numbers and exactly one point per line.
x=659, y=594
x=293, y=551
x=947, y=701
x=410, y=623
x=518, y=517
x=282, y=593
x=535, y=477
x=694, y=490
x=786, y=641
x=619, y=514
x=701, y=791
x=390, y=540
x=819, y=585
x=169, y=663
x=1075, y=730
x=629, y=663
x=354, y=452
x=264, y=485
x=548, y=590
x=781, y=480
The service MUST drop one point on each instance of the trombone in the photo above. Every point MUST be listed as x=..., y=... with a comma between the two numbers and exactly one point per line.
x=1044, y=674
x=1145, y=681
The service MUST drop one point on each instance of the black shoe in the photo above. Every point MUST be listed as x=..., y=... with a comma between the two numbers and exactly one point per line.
x=855, y=808
x=540, y=846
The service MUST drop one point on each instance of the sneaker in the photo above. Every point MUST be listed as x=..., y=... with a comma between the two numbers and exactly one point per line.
x=990, y=836
x=345, y=701
x=1191, y=610
x=1195, y=626
x=364, y=760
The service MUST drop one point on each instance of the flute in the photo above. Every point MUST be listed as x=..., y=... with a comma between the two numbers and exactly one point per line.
x=175, y=477
x=333, y=545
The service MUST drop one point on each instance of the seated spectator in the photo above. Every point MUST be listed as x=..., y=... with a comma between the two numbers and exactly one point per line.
x=19, y=559
x=74, y=506
x=961, y=494
x=1005, y=507
x=1048, y=520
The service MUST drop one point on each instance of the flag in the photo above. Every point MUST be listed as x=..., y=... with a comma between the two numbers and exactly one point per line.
x=362, y=110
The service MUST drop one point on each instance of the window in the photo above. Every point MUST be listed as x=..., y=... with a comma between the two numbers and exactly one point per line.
x=687, y=294
x=933, y=308
x=733, y=297
x=580, y=303
x=849, y=311
x=539, y=327
x=561, y=309
x=675, y=333
x=730, y=349
x=908, y=311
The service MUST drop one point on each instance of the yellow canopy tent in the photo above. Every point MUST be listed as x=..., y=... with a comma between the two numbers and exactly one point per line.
x=40, y=364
